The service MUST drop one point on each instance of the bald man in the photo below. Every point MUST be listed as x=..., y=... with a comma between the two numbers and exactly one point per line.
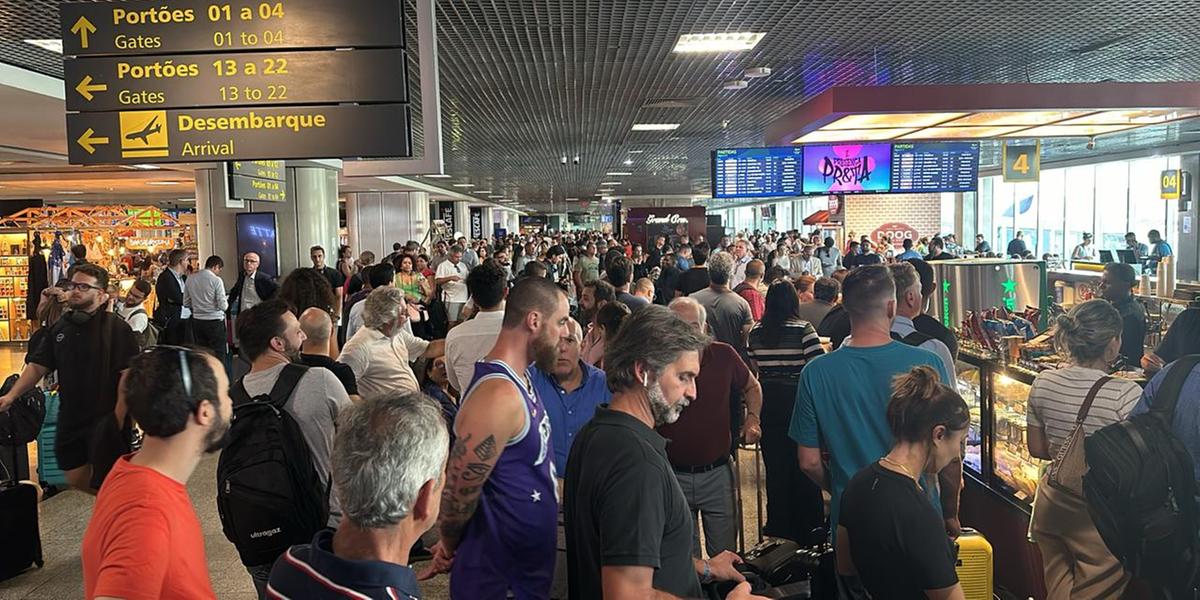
x=318, y=327
x=644, y=288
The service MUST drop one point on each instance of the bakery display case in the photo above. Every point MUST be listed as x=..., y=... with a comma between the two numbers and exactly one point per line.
x=1014, y=471
x=970, y=387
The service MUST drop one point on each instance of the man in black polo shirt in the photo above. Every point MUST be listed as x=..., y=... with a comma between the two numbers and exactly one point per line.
x=1116, y=286
x=629, y=531
x=335, y=278
x=89, y=347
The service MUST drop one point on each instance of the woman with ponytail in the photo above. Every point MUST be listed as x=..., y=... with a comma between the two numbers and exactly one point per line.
x=890, y=535
x=1076, y=562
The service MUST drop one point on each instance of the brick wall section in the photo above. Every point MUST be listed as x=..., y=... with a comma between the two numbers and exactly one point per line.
x=922, y=212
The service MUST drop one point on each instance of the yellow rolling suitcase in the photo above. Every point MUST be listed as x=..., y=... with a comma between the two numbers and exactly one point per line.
x=974, y=565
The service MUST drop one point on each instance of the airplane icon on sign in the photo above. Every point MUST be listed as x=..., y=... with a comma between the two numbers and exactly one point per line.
x=144, y=135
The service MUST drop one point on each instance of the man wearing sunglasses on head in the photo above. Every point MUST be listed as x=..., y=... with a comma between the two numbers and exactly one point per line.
x=144, y=540
x=89, y=347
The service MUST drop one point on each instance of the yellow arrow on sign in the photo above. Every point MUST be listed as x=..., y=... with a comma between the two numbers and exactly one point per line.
x=86, y=87
x=83, y=27
x=88, y=142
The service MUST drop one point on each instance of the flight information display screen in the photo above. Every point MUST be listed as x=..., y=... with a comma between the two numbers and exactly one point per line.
x=935, y=167
x=847, y=169
x=757, y=172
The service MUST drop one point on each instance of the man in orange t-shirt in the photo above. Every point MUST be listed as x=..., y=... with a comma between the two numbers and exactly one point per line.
x=144, y=540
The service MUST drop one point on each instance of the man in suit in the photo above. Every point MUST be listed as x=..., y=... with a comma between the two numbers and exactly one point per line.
x=171, y=314
x=253, y=286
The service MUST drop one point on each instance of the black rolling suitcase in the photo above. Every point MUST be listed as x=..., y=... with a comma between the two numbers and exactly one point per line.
x=22, y=547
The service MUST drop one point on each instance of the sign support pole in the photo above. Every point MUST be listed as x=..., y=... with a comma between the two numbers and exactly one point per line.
x=431, y=161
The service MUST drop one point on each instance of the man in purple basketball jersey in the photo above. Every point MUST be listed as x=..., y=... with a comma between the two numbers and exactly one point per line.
x=500, y=508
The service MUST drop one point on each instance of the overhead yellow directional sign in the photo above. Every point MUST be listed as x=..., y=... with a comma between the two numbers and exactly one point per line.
x=236, y=79
x=262, y=169
x=82, y=28
x=197, y=135
x=156, y=27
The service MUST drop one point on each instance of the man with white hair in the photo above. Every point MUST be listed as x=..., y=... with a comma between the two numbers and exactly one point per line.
x=729, y=315
x=380, y=352
x=629, y=534
x=742, y=257
x=701, y=440
x=388, y=459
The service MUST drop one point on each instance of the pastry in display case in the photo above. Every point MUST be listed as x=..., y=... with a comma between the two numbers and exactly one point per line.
x=1013, y=467
x=969, y=388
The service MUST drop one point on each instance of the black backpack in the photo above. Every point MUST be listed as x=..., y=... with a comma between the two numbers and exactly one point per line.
x=914, y=338
x=1141, y=490
x=269, y=496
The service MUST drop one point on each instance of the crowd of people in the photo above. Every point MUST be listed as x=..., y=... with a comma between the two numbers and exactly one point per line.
x=556, y=415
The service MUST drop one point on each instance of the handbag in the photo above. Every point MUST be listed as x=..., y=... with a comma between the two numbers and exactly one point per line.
x=1066, y=472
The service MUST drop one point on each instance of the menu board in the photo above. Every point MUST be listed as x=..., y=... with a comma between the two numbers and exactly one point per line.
x=935, y=167
x=848, y=169
x=757, y=172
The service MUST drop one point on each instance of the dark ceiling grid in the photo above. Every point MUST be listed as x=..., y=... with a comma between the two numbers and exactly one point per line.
x=526, y=81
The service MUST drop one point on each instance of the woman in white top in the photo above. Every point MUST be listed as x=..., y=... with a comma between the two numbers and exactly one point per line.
x=1077, y=564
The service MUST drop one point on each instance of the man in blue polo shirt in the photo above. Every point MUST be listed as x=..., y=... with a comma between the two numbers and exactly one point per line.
x=571, y=393
x=842, y=397
x=1186, y=424
x=388, y=459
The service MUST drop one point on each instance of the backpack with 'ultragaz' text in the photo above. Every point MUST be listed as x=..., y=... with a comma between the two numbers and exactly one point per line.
x=1141, y=490
x=269, y=495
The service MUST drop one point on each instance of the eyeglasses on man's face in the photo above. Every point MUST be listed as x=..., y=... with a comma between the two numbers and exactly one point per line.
x=78, y=285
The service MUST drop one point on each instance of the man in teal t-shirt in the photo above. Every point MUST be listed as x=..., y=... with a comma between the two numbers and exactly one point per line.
x=841, y=402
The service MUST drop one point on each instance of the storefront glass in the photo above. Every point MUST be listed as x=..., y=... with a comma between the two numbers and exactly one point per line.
x=1050, y=213
x=1112, y=205
x=1081, y=204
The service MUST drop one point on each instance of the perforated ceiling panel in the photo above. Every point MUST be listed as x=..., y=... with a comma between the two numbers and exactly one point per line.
x=526, y=82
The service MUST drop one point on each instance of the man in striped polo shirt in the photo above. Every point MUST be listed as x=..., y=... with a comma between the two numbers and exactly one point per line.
x=388, y=459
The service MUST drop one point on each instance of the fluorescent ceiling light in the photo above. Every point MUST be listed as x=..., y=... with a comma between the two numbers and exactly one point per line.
x=54, y=45
x=1069, y=130
x=628, y=162
x=961, y=133
x=605, y=191
x=481, y=191
x=464, y=185
x=438, y=176
x=717, y=42
x=146, y=167
x=70, y=201
x=735, y=84
x=610, y=183
x=851, y=135
x=495, y=197
x=880, y=121
x=69, y=192
x=618, y=173
x=162, y=183
x=655, y=126
x=636, y=151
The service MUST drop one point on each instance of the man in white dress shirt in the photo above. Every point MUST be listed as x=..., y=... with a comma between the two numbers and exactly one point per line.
x=450, y=277
x=380, y=352
x=470, y=341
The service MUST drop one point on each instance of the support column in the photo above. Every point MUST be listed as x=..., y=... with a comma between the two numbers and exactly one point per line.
x=462, y=220
x=313, y=200
x=216, y=225
x=376, y=220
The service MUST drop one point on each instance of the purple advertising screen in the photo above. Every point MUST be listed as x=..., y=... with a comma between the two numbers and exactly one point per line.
x=848, y=169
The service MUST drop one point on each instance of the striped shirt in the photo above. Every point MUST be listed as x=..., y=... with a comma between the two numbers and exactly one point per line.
x=1056, y=396
x=784, y=355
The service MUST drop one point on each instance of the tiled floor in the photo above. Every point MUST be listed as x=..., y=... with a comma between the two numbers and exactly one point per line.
x=64, y=518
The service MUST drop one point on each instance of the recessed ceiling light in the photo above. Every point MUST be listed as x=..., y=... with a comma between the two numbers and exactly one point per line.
x=718, y=42
x=735, y=84
x=619, y=173
x=628, y=161
x=610, y=183
x=464, y=185
x=54, y=45
x=655, y=126
x=69, y=192
x=438, y=176
x=636, y=151
x=756, y=72
x=495, y=197
x=605, y=191
x=162, y=183
x=481, y=191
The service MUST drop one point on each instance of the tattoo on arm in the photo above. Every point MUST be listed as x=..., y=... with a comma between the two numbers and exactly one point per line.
x=465, y=479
